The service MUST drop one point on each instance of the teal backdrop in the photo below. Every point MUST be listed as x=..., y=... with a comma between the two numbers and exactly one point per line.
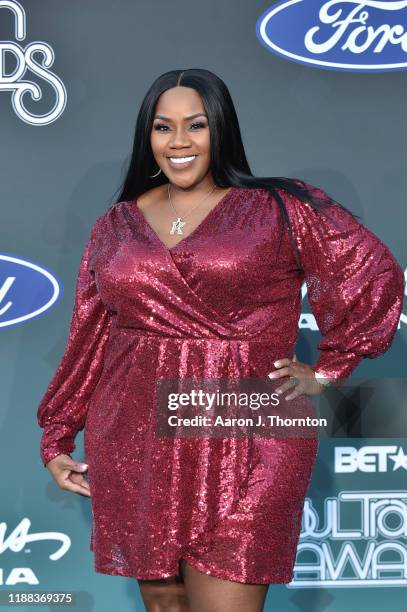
x=63, y=153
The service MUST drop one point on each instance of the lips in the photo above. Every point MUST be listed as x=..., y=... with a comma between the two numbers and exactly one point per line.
x=183, y=161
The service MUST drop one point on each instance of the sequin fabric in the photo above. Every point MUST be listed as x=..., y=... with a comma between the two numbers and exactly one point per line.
x=221, y=303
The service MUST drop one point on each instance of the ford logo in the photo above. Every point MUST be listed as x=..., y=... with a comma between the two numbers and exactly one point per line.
x=26, y=290
x=343, y=35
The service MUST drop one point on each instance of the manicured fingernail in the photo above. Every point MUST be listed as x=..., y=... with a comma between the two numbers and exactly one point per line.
x=276, y=363
x=84, y=466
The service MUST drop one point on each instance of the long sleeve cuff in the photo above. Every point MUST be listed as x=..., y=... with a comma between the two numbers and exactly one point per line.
x=337, y=365
x=52, y=446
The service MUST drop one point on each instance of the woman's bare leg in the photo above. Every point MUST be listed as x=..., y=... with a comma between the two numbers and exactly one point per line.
x=166, y=595
x=209, y=594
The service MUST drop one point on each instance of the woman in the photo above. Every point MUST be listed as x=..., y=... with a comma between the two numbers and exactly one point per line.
x=196, y=271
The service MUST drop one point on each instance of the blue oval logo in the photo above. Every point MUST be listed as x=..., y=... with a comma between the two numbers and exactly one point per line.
x=347, y=35
x=26, y=290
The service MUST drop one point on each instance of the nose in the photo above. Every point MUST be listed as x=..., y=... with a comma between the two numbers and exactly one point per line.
x=179, y=138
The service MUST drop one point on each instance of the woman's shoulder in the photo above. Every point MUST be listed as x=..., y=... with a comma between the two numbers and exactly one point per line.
x=112, y=211
x=311, y=207
x=301, y=196
x=286, y=188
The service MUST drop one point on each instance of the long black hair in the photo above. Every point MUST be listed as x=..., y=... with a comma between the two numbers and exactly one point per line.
x=229, y=166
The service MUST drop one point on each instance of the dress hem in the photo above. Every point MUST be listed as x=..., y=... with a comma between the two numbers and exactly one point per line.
x=216, y=573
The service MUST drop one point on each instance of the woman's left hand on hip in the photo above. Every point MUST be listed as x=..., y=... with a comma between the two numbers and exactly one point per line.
x=302, y=378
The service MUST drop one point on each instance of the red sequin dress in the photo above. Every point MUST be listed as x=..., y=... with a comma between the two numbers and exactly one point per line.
x=221, y=303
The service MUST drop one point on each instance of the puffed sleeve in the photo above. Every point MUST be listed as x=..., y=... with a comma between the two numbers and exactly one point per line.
x=355, y=286
x=62, y=410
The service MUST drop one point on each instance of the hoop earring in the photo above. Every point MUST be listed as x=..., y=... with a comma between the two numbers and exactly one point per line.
x=156, y=174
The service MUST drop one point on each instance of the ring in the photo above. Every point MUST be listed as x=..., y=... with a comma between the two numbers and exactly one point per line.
x=295, y=380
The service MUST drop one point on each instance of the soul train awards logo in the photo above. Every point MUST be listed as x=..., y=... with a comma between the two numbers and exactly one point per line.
x=25, y=59
x=369, y=552
x=349, y=35
x=21, y=540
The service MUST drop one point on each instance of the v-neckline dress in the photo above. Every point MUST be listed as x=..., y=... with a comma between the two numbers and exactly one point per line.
x=224, y=302
x=199, y=228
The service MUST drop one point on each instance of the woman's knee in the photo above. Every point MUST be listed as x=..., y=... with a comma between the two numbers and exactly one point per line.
x=165, y=597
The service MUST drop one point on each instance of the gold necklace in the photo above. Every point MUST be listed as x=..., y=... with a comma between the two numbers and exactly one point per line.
x=178, y=224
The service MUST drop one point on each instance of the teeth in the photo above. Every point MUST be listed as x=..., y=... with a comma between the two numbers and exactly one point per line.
x=182, y=160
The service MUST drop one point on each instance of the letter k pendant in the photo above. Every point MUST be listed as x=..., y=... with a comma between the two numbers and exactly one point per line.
x=177, y=227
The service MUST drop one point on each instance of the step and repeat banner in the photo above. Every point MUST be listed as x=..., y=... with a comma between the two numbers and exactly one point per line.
x=320, y=90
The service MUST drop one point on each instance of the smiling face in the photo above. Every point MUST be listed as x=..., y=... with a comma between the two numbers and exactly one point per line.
x=180, y=138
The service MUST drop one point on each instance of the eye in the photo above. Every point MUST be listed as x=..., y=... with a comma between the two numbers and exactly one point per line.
x=199, y=124
x=158, y=126
x=161, y=127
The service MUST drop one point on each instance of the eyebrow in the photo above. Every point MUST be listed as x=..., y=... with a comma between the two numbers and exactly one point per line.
x=185, y=118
